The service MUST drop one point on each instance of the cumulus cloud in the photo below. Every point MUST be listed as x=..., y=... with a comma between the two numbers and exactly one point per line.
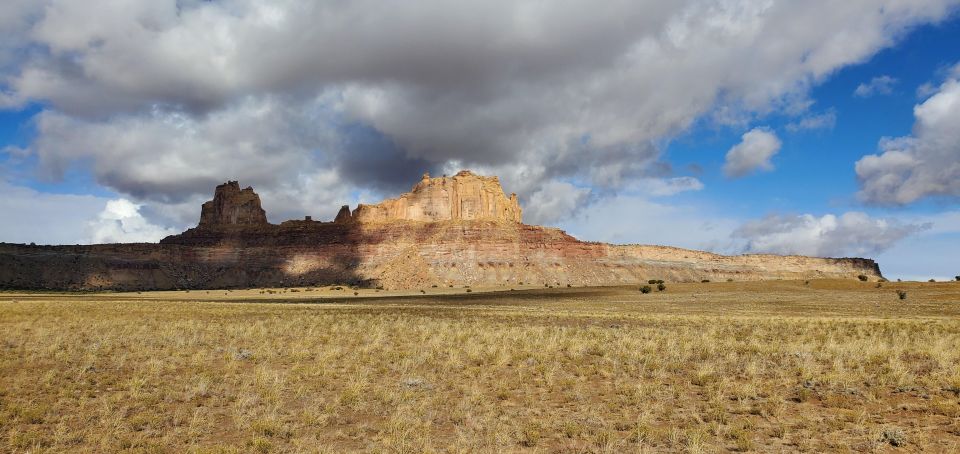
x=352, y=93
x=753, y=153
x=121, y=222
x=850, y=234
x=924, y=164
x=880, y=85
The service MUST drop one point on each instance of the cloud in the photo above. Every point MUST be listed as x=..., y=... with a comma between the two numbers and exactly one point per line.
x=173, y=160
x=167, y=98
x=663, y=187
x=753, y=153
x=32, y=216
x=826, y=120
x=121, y=222
x=850, y=234
x=924, y=164
x=880, y=85
x=555, y=201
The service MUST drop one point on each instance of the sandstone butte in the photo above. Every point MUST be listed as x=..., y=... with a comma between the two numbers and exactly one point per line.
x=460, y=230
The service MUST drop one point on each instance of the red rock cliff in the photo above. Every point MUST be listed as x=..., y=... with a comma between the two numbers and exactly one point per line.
x=465, y=196
x=446, y=231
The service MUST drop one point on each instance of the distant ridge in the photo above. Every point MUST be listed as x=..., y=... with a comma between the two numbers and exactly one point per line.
x=460, y=230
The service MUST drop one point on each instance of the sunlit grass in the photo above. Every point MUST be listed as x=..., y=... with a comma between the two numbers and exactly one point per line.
x=700, y=368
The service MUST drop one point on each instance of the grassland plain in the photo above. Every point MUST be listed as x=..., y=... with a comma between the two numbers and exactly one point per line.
x=765, y=366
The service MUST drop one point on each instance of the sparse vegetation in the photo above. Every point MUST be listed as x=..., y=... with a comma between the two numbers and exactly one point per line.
x=705, y=281
x=700, y=369
x=661, y=287
x=863, y=278
x=655, y=281
x=645, y=289
x=902, y=294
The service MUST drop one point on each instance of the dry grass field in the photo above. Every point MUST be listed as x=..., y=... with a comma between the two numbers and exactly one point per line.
x=769, y=367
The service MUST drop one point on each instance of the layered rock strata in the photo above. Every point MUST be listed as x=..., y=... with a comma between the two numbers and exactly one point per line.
x=444, y=232
x=465, y=196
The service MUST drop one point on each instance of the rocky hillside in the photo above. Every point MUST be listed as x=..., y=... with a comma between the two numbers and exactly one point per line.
x=461, y=230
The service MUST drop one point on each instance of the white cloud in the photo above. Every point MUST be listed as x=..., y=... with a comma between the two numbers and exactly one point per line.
x=163, y=99
x=880, y=85
x=664, y=187
x=850, y=234
x=556, y=201
x=635, y=219
x=753, y=153
x=32, y=216
x=826, y=120
x=924, y=164
x=929, y=254
x=500, y=84
x=121, y=222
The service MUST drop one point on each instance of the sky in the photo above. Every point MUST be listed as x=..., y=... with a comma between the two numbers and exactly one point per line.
x=816, y=128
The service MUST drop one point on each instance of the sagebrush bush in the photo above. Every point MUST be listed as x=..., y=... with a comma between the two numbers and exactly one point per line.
x=902, y=294
x=862, y=277
x=661, y=287
x=645, y=289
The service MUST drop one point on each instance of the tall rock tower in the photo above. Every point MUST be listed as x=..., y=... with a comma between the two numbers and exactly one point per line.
x=232, y=206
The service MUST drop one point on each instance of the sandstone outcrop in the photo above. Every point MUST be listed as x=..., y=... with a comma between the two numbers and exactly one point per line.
x=465, y=196
x=232, y=206
x=446, y=231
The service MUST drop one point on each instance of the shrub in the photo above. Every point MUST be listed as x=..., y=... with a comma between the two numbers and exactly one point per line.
x=661, y=287
x=356, y=293
x=862, y=277
x=469, y=290
x=932, y=280
x=705, y=281
x=655, y=281
x=902, y=294
x=895, y=436
x=645, y=289
x=879, y=284
x=957, y=278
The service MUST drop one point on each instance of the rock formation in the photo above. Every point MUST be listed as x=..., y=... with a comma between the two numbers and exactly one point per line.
x=232, y=206
x=446, y=231
x=465, y=196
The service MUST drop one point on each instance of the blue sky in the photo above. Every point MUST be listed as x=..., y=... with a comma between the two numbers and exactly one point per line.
x=741, y=127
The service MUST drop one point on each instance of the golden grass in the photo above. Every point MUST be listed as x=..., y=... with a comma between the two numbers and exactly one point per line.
x=774, y=366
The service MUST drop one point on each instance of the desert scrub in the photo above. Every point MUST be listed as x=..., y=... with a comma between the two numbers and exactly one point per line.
x=699, y=369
